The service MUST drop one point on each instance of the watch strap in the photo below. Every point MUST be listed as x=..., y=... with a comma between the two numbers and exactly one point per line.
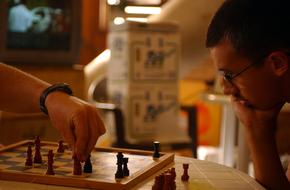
x=62, y=87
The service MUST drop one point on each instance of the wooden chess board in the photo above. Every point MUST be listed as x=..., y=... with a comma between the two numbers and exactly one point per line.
x=141, y=165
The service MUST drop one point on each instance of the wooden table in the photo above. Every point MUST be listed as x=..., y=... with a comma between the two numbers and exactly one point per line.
x=204, y=175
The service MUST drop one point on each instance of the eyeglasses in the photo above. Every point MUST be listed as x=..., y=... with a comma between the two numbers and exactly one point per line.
x=228, y=76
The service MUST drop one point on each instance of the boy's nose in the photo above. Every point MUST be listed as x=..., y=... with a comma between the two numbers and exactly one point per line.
x=229, y=88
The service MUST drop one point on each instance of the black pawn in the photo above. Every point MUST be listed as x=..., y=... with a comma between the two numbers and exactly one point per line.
x=125, y=167
x=119, y=174
x=88, y=165
x=156, y=153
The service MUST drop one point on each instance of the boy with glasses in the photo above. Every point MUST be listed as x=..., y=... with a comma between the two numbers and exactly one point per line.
x=249, y=41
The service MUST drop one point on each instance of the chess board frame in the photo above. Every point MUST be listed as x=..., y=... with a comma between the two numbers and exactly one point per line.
x=75, y=181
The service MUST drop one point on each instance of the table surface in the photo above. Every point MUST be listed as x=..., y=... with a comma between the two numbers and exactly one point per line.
x=204, y=175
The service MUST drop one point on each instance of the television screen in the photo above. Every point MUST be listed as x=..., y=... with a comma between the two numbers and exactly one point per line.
x=40, y=31
x=36, y=24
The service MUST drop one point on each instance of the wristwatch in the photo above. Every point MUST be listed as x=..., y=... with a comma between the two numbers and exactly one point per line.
x=63, y=87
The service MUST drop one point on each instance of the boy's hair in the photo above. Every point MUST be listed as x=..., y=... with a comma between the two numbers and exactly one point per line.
x=254, y=27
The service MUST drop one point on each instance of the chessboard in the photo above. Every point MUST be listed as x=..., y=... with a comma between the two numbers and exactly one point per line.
x=141, y=166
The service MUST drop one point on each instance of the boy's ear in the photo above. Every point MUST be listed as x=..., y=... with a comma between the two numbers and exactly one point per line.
x=279, y=62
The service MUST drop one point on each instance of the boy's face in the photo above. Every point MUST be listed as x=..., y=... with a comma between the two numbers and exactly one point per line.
x=253, y=84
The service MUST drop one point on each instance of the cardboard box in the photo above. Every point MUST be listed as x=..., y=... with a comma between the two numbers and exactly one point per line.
x=143, y=80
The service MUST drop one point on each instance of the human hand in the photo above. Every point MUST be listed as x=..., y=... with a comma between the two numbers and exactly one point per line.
x=247, y=113
x=252, y=117
x=78, y=122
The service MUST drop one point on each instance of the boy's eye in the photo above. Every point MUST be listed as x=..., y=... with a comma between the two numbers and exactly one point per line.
x=228, y=76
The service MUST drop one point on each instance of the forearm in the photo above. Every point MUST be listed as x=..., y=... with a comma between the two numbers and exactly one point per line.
x=267, y=165
x=20, y=91
x=78, y=122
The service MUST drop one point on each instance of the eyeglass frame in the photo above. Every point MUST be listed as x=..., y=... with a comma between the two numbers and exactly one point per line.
x=229, y=76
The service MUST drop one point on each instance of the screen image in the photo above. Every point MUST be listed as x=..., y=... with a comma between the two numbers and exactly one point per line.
x=39, y=24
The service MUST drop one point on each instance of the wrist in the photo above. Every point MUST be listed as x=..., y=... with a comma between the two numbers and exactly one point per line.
x=261, y=132
x=61, y=88
x=261, y=124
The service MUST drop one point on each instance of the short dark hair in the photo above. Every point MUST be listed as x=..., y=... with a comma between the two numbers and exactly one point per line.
x=253, y=27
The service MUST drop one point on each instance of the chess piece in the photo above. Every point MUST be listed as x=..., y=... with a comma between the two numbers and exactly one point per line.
x=37, y=141
x=173, y=175
x=119, y=174
x=77, y=170
x=50, y=156
x=88, y=165
x=185, y=175
x=37, y=154
x=29, y=156
x=156, y=153
x=167, y=181
x=158, y=183
x=125, y=167
x=60, y=148
x=162, y=178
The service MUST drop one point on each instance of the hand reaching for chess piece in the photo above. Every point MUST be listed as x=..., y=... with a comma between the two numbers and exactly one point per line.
x=78, y=122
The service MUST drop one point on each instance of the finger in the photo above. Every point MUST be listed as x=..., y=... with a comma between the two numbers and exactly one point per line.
x=96, y=128
x=101, y=126
x=93, y=137
x=82, y=135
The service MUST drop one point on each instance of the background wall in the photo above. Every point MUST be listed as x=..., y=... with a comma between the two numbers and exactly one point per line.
x=92, y=37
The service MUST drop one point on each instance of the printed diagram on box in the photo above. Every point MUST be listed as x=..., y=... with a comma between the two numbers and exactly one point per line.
x=154, y=61
x=147, y=109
